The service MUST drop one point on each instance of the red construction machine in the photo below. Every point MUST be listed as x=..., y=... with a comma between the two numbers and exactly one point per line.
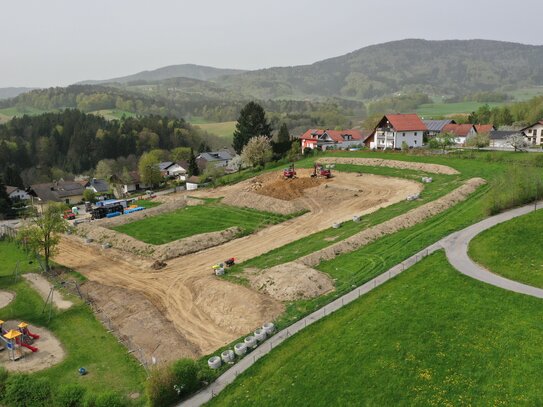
x=320, y=171
x=289, y=172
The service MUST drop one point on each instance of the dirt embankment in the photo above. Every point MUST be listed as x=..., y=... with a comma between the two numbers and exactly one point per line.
x=378, y=162
x=263, y=203
x=393, y=225
x=290, y=282
x=162, y=252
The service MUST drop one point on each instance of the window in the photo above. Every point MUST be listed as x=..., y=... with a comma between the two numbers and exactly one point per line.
x=403, y=134
x=415, y=133
x=415, y=141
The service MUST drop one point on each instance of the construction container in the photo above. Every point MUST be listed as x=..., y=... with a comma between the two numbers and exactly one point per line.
x=228, y=356
x=240, y=349
x=214, y=362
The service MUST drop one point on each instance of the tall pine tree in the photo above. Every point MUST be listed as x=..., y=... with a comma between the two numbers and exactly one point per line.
x=252, y=122
x=5, y=202
x=283, y=136
x=193, y=165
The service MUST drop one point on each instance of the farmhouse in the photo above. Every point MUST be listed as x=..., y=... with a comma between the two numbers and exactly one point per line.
x=332, y=139
x=69, y=192
x=498, y=138
x=169, y=169
x=436, y=126
x=461, y=132
x=396, y=129
x=534, y=133
x=17, y=194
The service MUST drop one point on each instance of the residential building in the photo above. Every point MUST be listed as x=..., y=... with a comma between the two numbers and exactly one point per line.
x=461, y=132
x=98, y=186
x=498, y=138
x=534, y=133
x=396, y=129
x=436, y=126
x=169, y=169
x=126, y=187
x=69, y=192
x=485, y=128
x=220, y=158
x=17, y=194
x=333, y=139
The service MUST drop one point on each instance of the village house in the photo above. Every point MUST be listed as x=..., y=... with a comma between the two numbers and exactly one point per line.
x=436, y=126
x=98, y=186
x=218, y=158
x=397, y=130
x=126, y=187
x=17, y=194
x=484, y=128
x=169, y=169
x=498, y=138
x=461, y=132
x=69, y=192
x=332, y=139
x=534, y=133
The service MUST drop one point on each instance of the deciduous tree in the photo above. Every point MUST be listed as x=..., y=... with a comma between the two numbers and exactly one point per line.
x=258, y=151
x=149, y=170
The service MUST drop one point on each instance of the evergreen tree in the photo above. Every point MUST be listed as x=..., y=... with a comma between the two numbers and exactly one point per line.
x=5, y=202
x=283, y=136
x=252, y=122
x=193, y=165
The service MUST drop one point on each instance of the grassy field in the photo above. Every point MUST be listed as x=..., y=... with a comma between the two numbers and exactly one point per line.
x=15, y=111
x=221, y=129
x=430, y=110
x=513, y=249
x=113, y=114
x=85, y=340
x=429, y=337
x=193, y=220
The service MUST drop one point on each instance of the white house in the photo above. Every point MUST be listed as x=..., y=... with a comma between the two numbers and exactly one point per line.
x=461, y=132
x=396, y=129
x=436, y=126
x=17, y=194
x=498, y=138
x=169, y=169
x=534, y=133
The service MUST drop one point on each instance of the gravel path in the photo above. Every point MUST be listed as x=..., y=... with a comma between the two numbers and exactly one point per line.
x=455, y=245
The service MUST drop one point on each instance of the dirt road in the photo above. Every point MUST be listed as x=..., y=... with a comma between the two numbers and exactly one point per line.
x=209, y=312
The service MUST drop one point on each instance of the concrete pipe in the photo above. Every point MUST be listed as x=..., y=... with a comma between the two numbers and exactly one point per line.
x=269, y=328
x=227, y=356
x=260, y=335
x=356, y=218
x=240, y=349
x=214, y=362
x=250, y=341
x=336, y=225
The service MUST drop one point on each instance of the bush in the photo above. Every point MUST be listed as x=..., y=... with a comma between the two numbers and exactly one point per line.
x=185, y=372
x=69, y=395
x=23, y=391
x=160, y=387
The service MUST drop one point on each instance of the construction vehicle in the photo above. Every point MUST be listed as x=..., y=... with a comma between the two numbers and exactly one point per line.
x=108, y=209
x=68, y=214
x=320, y=171
x=289, y=172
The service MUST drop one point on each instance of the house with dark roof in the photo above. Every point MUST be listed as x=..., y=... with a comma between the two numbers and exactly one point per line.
x=498, y=138
x=436, y=126
x=98, y=186
x=394, y=130
x=333, y=139
x=534, y=133
x=219, y=158
x=69, y=192
x=169, y=169
x=461, y=132
x=17, y=194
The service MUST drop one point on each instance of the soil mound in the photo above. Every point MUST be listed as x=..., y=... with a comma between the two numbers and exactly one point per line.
x=290, y=282
x=276, y=186
x=263, y=203
x=378, y=162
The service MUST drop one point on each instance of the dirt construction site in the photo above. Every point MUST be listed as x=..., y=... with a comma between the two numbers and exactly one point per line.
x=183, y=309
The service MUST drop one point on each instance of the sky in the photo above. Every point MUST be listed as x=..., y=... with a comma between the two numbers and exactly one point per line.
x=60, y=42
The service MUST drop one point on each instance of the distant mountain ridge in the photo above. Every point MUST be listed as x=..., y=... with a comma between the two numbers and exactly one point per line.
x=11, y=92
x=191, y=71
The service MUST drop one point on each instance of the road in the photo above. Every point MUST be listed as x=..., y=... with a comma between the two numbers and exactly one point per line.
x=456, y=250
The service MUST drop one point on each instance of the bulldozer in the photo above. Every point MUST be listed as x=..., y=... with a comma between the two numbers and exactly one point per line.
x=320, y=171
x=289, y=172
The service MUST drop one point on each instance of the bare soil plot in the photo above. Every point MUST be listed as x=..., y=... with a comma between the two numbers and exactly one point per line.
x=5, y=298
x=209, y=312
x=43, y=287
x=50, y=351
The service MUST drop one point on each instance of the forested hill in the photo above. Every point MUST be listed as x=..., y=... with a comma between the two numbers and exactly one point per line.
x=11, y=92
x=54, y=145
x=433, y=67
x=191, y=71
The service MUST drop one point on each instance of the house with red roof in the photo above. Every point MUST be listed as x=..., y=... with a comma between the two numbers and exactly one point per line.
x=534, y=133
x=485, y=128
x=461, y=132
x=396, y=129
x=332, y=139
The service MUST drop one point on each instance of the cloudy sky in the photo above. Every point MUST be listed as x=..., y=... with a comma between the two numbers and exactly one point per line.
x=58, y=42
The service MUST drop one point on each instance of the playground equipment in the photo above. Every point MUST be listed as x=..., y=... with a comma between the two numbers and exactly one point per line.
x=320, y=171
x=289, y=172
x=13, y=345
x=28, y=337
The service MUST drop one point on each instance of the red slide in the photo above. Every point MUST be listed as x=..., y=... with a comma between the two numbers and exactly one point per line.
x=35, y=336
x=32, y=348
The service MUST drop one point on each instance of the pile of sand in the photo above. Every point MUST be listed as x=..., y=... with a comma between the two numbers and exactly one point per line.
x=263, y=203
x=290, y=282
x=378, y=162
x=393, y=225
x=5, y=298
x=43, y=287
x=50, y=352
x=181, y=247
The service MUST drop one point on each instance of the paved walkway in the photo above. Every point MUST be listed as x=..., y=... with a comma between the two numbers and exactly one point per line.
x=455, y=245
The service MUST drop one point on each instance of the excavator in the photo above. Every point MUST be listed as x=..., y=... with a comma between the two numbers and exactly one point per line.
x=320, y=171
x=289, y=172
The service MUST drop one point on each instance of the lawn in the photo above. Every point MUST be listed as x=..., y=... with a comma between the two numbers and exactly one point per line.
x=513, y=249
x=85, y=340
x=194, y=220
x=429, y=337
x=222, y=129
x=147, y=203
